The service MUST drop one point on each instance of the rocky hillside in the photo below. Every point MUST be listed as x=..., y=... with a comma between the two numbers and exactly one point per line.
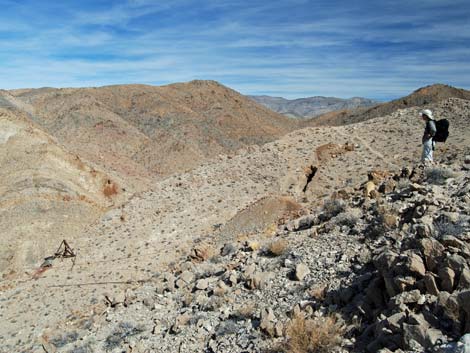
x=139, y=131
x=46, y=193
x=385, y=266
x=224, y=255
x=69, y=155
x=421, y=97
x=312, y=106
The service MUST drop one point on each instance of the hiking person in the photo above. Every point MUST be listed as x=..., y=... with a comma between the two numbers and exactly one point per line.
x=429, y=132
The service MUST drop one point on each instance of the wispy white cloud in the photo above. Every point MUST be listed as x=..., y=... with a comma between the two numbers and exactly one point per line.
x=292, y=48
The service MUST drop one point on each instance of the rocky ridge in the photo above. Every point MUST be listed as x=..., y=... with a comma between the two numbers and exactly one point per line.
x=139, y=131
x=389, y=262
x=421, y=97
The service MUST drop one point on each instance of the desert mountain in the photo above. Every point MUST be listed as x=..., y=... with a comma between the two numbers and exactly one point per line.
x=70, y=154
x=139, y=131
x=312, y=106
x=159, y=237
x=421, y=97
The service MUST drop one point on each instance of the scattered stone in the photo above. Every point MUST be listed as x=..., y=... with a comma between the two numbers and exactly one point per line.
x=368, y=188
x=268, y=321
x=456, y=263
x=377, y=176
x=180, y=321
x=413, y=296
x=256, y=280
x=385, y=260
x=430, y=282
x=395, y=321
x=185, y=279
x=432, y=251
x=200, y=253
x=415, y=265
x=414, y=337
x=447, y=276
x=301, y=271
x=228, y=249
x=202, y=284
x=390, y=220
x=464, y=281
x=450, y=240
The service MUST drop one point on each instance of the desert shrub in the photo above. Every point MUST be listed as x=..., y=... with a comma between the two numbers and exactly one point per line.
x=245, y=310
x=110, y=189
x=228, y=327
x=214, y=303
x=346, y=219
x=438, y=175
x=318, y=292
x=278, y=247
x=446, y=227
x=332, y=208
x=82, y=349
x=377, y=227
x=124, y=330
x=270, y=230
x=403, y=184
x=319, y=335
x=64, y=339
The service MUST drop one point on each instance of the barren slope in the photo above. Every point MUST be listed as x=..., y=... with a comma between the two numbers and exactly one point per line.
x=138, y=131
x=160, y=226
x=46, y=194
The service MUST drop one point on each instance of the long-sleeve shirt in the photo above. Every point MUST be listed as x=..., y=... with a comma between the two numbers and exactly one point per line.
x=429, y=130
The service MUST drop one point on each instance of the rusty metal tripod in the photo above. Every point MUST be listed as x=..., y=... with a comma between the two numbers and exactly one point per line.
x=64, y=250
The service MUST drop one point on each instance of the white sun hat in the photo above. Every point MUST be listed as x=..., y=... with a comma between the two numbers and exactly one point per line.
x=428, y=113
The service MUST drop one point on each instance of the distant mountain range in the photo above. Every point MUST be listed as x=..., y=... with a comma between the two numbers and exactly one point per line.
x=421, y=97
x=312, y=106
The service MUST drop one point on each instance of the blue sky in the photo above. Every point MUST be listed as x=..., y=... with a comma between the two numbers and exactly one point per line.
x=296, y=48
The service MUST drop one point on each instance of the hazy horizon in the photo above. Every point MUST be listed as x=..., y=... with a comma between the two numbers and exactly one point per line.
x=267, y=95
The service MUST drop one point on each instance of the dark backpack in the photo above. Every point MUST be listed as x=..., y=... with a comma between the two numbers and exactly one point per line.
x=442, y=130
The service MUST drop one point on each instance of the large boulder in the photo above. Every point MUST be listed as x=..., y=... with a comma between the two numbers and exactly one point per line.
x=433, y=251
x=430, y=283
x=447, y=278
x=385, y=261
